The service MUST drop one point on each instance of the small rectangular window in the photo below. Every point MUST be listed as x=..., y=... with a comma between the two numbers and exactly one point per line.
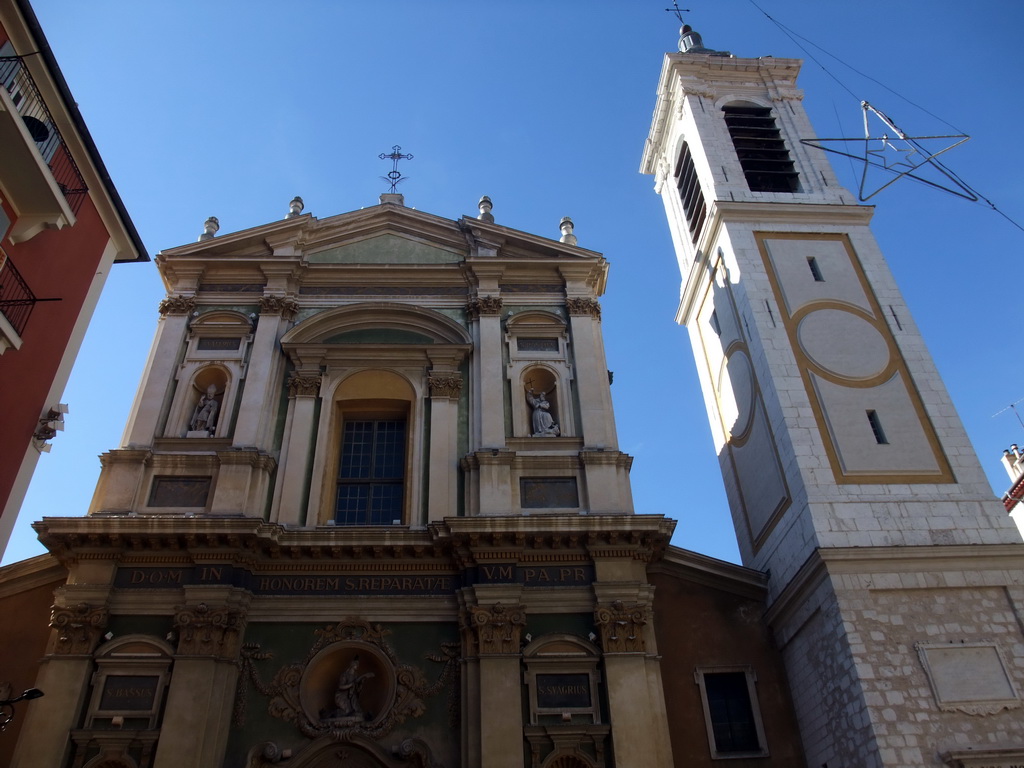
x=715, y=325
x=731, y=713
x=876, y=428
x=371, y=473
x=815, y=269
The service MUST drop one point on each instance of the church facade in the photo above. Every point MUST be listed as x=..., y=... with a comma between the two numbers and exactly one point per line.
x=370, y=508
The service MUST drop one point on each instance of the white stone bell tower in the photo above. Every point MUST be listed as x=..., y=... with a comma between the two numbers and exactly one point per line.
x=849, y=475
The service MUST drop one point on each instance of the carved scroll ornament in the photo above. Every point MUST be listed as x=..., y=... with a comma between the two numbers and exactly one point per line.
x=583, y=306
x=498, y=627
x=208, y=631
x=279, y=305
x=303, y=386
x=621, y=627
x=353, y=669
x=79, y=627
x=177, y=305
x=445, y=386
x=483, y=305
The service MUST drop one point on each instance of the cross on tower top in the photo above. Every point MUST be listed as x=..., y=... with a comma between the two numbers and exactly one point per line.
x=394, y=177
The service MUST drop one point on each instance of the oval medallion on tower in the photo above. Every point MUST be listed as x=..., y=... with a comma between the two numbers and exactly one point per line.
x=843, y=344
x=736, y=393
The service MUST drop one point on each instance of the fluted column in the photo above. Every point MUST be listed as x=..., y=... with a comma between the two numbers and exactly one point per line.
x=159, y=373
x=64, y=676
x=296, y=459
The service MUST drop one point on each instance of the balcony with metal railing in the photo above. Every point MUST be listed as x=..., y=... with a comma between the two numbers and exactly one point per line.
x=16, y=303
x=29, y=124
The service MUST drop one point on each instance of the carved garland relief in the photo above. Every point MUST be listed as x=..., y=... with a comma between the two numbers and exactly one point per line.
x=351, y=684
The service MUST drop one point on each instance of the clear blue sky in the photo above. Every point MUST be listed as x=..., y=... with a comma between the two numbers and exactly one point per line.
x=231, y=108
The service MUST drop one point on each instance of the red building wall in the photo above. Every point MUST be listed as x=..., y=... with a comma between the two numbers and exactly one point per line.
x=55, y=264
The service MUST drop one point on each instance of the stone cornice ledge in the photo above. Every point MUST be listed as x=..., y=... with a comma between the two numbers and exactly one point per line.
x=1005, y=558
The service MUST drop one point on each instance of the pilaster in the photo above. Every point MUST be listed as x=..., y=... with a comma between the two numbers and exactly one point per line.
x=597, y=422
x=303, y=389
x=256, y=410
x=485, y=320
x=194, y=731
x=158, y=376
x=64, y=675
x=496, y=632
x=445, y=388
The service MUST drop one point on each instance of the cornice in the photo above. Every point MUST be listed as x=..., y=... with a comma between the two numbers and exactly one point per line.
x=710, y=572
x=254, y=541
x=27, y=574
x=823, y=563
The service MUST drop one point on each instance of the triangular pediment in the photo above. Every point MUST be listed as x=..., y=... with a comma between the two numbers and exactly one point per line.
x=385, y=248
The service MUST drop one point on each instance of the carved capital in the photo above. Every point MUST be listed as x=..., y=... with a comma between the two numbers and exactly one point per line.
x=788, y=95
x=445, y=386
x=303, y=386
x=483, y=305
x=621, y=627
x=177, y=305
x=584, y=306
x=79, y=627
x=279, y=305
x=205, y=630
x=498, y=627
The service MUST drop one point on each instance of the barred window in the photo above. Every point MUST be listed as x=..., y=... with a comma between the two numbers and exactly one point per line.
x=371, y=473
x=762, y=152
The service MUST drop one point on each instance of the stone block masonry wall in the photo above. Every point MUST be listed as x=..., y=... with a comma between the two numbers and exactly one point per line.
x=861, y=689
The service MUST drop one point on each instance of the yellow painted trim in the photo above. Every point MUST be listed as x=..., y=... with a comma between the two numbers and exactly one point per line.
x=897, y=364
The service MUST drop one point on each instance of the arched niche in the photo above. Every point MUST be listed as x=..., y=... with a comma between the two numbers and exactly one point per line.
x=538, y=352
x=202, y=405
x=215, y=355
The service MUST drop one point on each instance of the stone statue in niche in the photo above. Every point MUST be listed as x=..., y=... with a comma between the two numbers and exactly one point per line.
x=347, y=708
x=542, y=421
x=204, y=417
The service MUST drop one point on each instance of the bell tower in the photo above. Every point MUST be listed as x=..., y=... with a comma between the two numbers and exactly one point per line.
x=849, y=475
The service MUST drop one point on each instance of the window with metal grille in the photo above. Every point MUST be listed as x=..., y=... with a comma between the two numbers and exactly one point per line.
x=762, y=152
x=690, y=193
x=371, y=473
x=730, y=713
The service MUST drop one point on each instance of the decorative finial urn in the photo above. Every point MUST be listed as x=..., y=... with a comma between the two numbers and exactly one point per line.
x=485, y=206
x=210, y=227
x=567, y=226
